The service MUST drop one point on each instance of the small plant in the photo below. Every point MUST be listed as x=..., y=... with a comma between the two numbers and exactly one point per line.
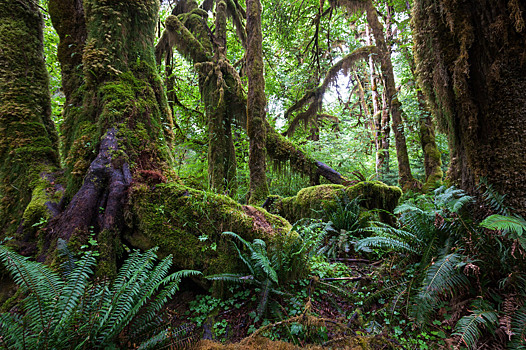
x=262, y=271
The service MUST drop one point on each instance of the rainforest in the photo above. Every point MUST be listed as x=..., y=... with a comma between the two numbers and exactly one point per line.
x=262, y=174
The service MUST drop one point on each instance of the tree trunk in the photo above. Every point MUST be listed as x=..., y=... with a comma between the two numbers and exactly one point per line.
x=119, y=127
x=471, y=63
x=256, y=104
x=406, y=179
x=381, y=134
x=432, y=157
x=28, y=146
x=222, y=166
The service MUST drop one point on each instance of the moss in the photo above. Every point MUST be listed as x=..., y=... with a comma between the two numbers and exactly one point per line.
x=28, y=144
x=310, y=201
x=108, y=244
x=188, y=223
x=37, y=210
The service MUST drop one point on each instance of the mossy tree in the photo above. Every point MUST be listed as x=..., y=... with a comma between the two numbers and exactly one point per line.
x=405, y=177
x=187, y=31
x=115, y=141
x=29, y=142
x=256, y=104
x=471, y=65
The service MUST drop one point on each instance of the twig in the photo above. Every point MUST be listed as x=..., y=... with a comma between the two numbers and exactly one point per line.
x=342, y=279
x=365, y=261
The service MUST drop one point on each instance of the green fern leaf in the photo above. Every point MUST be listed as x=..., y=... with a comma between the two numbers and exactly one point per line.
x=510, y=224
x=468, y=328
x=518, y=328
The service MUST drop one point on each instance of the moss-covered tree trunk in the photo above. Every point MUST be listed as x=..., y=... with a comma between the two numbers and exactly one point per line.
x=432, y=157
x=406, y=179
x=28, y=140
x=256, y=104
x=186, y=31
x=382, y=154
x=471, y=63
x=118, y=128
x=222, y=166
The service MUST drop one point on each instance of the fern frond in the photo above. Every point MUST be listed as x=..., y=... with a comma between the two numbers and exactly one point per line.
x=494, y=199
x=518, y=328
x=468, y=328
x=442, y=277
x=384, y=243
x=11, y=331
x=76, y=283
x=41, y=282
x=510, y=224
x=264, y=297
x=141, y=323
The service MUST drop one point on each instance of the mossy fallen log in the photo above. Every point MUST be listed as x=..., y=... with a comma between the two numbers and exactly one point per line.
x=188, y=223
x=310, y=201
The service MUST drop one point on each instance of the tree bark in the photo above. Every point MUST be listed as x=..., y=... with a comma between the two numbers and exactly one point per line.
x=28, y=140
x=471, y=65
x=222, y=165
x=256, y=104
x=432, y=156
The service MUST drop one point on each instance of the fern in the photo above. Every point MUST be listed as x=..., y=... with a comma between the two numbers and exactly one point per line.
x=468, y=328
x=494, y=199
x=443, y=277
x=72, y=312
x=269, y=271
x=513, y=227
x=518, y=328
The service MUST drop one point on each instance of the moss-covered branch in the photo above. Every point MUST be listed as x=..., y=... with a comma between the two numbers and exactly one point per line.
x=315, y=97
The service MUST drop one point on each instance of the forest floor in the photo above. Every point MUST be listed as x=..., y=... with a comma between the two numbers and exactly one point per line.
x=316, y=312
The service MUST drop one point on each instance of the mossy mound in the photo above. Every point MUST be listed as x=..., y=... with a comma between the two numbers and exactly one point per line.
x=310, y=201
x=188, y=223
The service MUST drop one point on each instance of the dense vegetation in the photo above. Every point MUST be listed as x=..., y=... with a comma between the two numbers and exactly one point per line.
x=322, y=174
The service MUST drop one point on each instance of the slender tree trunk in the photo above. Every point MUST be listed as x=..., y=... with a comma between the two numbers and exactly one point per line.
x=471, y=65
x=379, y=135
x=256, y=104
x=28, y=141
x=432, y=156
x=406, y=179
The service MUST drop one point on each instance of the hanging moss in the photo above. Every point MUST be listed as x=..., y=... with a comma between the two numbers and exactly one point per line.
x=310, y=201
x=470, y=63
x=188, y=224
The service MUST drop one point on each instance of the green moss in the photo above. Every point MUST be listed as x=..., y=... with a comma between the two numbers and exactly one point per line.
x=108, y=245
x=310, y=201
x=28, y=145
x=188, y=223
x=37, y=210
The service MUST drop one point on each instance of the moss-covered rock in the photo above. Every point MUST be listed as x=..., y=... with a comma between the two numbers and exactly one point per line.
x=310, y=201
x=188, y=223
